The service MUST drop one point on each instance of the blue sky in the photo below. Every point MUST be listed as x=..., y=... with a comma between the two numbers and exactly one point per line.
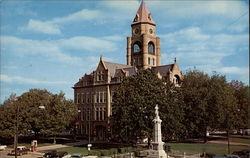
x=51, y=44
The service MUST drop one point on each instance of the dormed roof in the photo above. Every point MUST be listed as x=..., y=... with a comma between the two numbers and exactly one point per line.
x=143, y=15
x=113, y=66
x=164, y=69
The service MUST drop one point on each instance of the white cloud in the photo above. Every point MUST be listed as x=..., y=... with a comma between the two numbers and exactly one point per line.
x=207, y=52
x=57, y=50
x=234, y=70
x=47, y=49
x=42, y=27
x=82, y=15
x=88, y=43
x=114, y=38
x=53, y=26
x=187, y=9
x=30, y=81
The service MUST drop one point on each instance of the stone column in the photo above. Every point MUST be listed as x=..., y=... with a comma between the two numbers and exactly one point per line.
x=129, y=51
x=144, y=51
x=158, y=52
x=108, y=107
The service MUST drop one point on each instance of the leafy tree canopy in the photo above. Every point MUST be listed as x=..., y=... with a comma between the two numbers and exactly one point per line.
x=36, y=110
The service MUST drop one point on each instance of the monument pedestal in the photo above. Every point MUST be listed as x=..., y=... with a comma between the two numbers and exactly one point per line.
x=158, y=150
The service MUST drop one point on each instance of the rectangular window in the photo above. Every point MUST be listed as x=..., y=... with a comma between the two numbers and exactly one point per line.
x=87, y=129
x=88, y=114
x=100, y=113
x=112, y=96
x=104, y=113
x=78, y=98
x=97, y=97
x=97, y=114
x=153, y=61
x=81, y=113
x=148, y=61
x=82, y=98
x=75, y=98
x=104, y=97
x=101, y=96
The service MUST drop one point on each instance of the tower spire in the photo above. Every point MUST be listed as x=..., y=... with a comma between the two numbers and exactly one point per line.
x=143, y=15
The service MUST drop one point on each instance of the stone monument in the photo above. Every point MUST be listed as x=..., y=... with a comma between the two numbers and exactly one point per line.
x=157, y=138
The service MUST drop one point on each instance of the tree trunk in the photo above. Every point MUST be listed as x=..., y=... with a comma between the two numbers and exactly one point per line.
x=205, y=135
x=228, y=142
x=54, y=142
x=149, y=144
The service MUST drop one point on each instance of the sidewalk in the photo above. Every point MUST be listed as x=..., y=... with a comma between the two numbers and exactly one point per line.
x=56, y=146
x=37, y=154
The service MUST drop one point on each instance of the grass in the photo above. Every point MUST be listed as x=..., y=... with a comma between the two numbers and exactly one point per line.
x=72, y=150
x=240, y=139
x=195, y=148
x=97, y=152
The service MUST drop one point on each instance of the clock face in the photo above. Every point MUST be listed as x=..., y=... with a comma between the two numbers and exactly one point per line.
x=150, y=31
x=136, y=31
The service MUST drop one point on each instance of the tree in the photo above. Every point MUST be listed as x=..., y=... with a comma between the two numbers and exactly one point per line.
x=134, y=102
x=241, y=93
x=54, y=118
x=195, y=90
x=210, y=104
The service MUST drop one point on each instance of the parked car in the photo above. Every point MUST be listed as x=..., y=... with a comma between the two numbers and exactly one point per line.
x=3, y=147
x=77, y=155
x=50, y=154
x=232, y=156
x=242, y=154
x=62, y=154
x=21, y=150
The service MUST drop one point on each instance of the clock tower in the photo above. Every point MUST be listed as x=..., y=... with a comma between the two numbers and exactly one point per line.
x=143, y=47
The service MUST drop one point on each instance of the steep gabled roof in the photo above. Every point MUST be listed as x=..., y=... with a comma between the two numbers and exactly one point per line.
x=113, y=66
x=164, y=69
x=130, y=71
x=143, y=15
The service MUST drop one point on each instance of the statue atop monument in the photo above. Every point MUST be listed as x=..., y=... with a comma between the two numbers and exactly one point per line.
x=157, y=139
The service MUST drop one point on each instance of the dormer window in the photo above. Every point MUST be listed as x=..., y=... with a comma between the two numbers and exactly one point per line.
x=100, y=76
x=136, y=17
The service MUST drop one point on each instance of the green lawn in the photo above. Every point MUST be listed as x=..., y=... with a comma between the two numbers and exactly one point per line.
x=97, y=152
x=240, y=139
x=72, y=150
x=195, y=148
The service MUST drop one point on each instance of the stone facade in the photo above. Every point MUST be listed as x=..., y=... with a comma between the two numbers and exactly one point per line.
x=93, y=92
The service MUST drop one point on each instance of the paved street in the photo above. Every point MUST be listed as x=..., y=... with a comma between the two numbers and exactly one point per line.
x=4, y=154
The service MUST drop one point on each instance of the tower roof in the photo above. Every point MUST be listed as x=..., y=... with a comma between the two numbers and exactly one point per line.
x=143, y=15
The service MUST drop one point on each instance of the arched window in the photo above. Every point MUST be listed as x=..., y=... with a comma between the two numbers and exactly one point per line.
x=137, y=48
x=151, y=48
x=176, y=80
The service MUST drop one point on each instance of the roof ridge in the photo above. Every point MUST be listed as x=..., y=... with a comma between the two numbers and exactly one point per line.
x=117, y=63
x=164, y=65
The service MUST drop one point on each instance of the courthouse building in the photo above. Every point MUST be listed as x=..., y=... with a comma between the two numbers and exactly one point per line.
x=93, y=92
